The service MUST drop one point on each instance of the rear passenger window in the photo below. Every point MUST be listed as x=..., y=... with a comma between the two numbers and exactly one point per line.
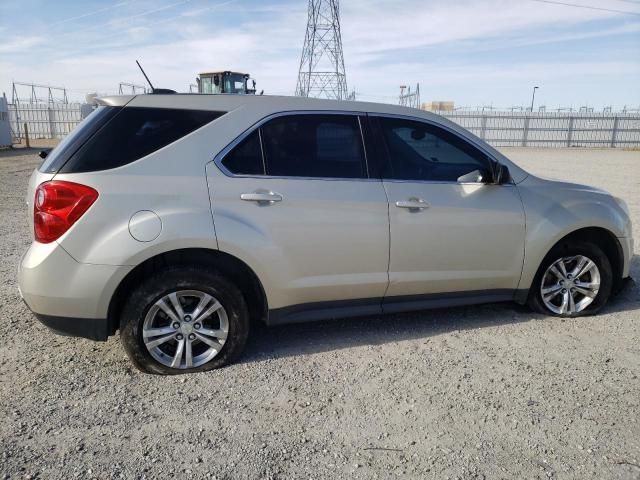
x=246, y=157
x=321, y=146
x=134, y=133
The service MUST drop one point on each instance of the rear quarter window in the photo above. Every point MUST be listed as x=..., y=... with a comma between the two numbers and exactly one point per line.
x=246, y=157
x=133, y=133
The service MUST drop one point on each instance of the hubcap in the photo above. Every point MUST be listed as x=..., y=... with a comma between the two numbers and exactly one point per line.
x=570, y=284
x=185, y=329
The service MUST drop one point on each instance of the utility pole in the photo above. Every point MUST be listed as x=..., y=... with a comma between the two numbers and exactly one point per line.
x=322, y=73
x=533, y=97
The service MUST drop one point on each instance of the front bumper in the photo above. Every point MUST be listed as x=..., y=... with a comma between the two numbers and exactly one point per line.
x=91, y=328
x=71, y=298
x=627, y=252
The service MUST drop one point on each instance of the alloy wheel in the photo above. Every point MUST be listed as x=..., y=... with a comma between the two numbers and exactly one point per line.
x=185, y=329
x=570, y=284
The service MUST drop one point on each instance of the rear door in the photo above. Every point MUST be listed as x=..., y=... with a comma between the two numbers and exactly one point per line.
x=293, y=198
x=449, y=235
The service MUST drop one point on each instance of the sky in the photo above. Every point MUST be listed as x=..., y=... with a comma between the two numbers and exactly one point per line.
x=472, y=52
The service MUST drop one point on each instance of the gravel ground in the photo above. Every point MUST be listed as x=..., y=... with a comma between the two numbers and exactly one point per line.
x=476, y=392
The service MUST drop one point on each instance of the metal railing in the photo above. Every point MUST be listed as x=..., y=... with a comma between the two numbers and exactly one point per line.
x=500, y=129
x=551, y=129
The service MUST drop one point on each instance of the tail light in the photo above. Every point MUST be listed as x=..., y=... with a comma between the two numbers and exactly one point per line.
x=57, y=206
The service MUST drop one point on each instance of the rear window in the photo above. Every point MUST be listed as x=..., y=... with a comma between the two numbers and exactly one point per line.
x=133, y=133
x=85, y=129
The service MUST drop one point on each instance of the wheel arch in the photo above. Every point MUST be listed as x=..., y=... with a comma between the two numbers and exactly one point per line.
x=603, y=238
x=230, y=266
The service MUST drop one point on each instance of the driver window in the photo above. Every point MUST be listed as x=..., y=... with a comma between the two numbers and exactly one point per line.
x=423, y=152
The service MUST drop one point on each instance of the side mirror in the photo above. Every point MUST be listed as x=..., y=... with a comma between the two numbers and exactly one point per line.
x=43, y=153
x=477, y=176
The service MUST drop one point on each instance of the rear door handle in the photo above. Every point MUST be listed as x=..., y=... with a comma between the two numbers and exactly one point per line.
x=413, y=204
x=261, y=197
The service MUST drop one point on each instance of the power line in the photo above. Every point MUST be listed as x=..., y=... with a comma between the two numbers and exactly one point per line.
x=89, y=14
x=552, y=2
x=95, y=27
x=120, y=33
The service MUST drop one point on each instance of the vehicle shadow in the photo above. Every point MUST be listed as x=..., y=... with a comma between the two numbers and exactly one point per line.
x=308, y=338
x=629, y=297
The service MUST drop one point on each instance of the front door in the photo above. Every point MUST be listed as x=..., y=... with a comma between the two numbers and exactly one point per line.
x=449, y=235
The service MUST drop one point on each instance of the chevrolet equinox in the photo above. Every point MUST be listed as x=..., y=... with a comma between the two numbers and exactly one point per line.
x=179, y=219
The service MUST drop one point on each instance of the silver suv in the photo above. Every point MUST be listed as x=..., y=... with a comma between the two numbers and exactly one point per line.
x=179, y=219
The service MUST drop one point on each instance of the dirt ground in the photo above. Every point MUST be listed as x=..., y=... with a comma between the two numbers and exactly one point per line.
x=477, y=392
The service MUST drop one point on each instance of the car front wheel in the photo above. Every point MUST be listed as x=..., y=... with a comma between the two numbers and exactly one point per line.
x=574, y=279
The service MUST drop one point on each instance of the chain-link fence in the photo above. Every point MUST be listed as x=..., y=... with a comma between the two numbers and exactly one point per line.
x=500, y=129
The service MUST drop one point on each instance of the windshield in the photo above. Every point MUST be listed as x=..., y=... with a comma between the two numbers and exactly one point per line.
x=234, y=83
x=72, y=142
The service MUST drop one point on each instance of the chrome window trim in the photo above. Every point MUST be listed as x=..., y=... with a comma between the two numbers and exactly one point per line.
x=264, y=163
x=364, y=147
x=442, y=182
x=256, y=126
x=471, y=141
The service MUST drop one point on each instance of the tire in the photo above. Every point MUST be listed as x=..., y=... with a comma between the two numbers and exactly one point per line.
x=545, y=278
x=208, y=341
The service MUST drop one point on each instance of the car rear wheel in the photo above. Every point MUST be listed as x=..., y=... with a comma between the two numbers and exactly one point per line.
x=184, y=319
x=574, y=279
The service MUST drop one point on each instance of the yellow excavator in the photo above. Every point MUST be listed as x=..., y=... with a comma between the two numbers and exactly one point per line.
x=226, y=82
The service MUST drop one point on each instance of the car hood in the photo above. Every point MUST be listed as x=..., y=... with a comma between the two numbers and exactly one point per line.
x=564, y=185
x=573, y=197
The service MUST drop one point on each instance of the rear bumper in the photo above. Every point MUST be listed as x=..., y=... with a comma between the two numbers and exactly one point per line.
x=71, y=298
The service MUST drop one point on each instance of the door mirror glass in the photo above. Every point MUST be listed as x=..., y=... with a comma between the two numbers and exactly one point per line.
x=477, y=176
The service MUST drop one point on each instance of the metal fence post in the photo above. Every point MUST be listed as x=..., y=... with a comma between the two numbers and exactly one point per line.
x=26, y=135
x=52, y=124
x=525, y=133
x=483, y=127
x=614, y=134
x=18, y=131
x=570, y=132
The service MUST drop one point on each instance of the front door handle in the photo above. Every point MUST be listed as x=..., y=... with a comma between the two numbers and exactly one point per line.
x=261, y=197
x=413, y=204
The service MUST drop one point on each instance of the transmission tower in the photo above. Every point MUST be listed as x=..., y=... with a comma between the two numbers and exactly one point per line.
x=409, y=98
x=126, y=88
x=322, y=73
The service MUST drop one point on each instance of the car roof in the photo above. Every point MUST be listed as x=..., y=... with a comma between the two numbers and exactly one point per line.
x=275, y=103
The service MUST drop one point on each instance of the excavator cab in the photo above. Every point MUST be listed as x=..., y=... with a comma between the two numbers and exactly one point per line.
x=226, y=82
